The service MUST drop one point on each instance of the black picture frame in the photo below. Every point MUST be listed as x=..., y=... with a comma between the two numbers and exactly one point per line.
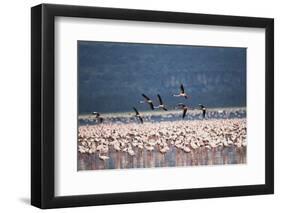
x=43, y=102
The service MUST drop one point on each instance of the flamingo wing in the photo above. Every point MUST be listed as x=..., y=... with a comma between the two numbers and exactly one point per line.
x=182, y=88
x=137, y=112
x=147, y=98
x=184, y=112
x=141, y=120
x=151, y=105
x=160, y=99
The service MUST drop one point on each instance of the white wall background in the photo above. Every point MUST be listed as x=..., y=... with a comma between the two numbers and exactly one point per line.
x=15, y=104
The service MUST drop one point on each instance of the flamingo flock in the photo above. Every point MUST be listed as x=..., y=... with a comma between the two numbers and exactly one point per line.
x=130, y=138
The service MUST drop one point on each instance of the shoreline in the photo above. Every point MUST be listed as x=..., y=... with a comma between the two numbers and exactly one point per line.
x=160, y=112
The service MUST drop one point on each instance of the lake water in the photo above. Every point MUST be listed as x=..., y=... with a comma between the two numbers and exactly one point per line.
x=173, y=158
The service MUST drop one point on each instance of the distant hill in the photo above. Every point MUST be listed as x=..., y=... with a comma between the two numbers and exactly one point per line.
x=112, y=76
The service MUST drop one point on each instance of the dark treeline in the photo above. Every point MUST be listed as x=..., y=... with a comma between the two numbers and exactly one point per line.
x=112, y=76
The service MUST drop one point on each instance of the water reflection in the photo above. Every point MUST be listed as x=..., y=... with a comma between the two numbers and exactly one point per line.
x=174, y=157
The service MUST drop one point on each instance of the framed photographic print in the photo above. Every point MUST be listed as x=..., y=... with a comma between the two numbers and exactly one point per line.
x=140, y=106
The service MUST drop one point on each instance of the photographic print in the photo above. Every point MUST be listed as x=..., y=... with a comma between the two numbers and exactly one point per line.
x=160, y=105
x=119, y=95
